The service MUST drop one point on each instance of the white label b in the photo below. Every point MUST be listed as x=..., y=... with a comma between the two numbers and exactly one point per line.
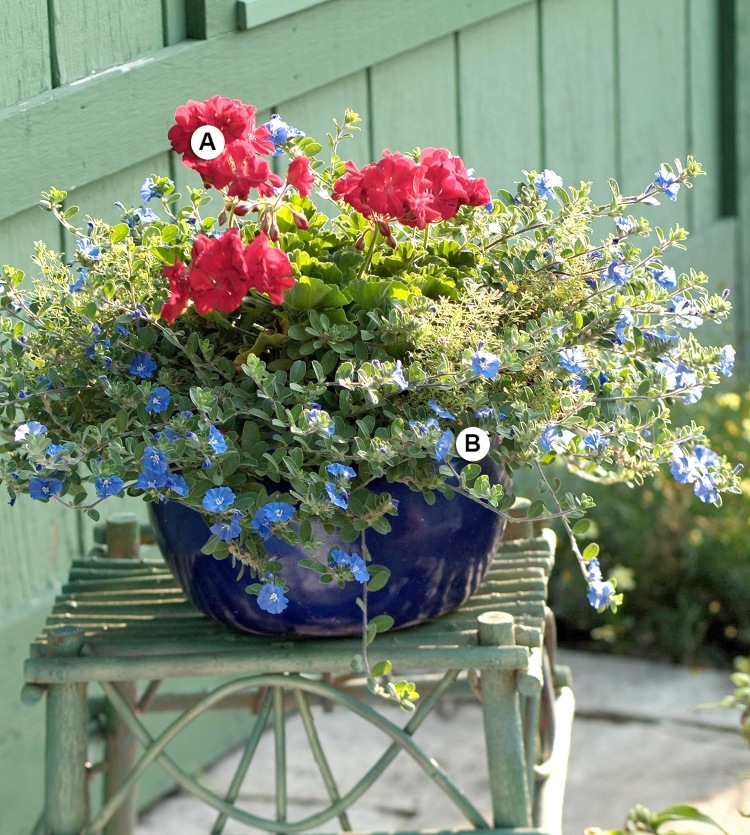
x=472, y=444
x=207, y=142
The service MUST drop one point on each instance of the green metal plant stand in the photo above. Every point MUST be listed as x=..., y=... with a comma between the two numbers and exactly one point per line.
x=124, y=623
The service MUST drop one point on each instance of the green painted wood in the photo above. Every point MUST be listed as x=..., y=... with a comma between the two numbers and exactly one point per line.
x=742, y=54
x=653, y=114
x=24, y=51
x=175, y=21
x=427, y=116
x=499, y=122
x=580, y=121
x=18, y=234
x=252, y=13
x=114, y=33
x=209, y=18
x=246, y=64
x=704, y=64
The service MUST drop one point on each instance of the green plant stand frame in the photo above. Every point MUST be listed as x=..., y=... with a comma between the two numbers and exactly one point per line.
x=122, y=622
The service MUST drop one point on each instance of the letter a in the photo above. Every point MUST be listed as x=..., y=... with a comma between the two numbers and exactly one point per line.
x=207, y=142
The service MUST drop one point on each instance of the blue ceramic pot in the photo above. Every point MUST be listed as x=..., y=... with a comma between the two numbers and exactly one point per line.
x=437, y=554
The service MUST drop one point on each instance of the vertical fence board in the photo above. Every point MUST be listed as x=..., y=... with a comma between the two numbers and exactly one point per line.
x=113, y=33
x=653, y=96
x=18, y=234
x=579, y=87
x=313, y=113
x=499, y=107
x=413, y=99
x=742, y=300
x=175, y=21
x=24, y=51
x=705, y=109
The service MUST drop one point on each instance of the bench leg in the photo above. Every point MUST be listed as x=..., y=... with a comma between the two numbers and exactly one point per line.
x=121, y=755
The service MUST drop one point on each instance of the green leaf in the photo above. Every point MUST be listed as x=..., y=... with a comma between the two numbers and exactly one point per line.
x=382, y=623
x=581, y=526
x=379, y=575
x=590, y=551
x=683, y=813
x=119, y=233
x=536, y=508
x=382, y=668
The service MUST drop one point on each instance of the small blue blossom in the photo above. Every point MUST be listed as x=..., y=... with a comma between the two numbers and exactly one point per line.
x=278, y=511
x=705, y=489
x=623, y=323
x=705, y=456
x=87, y=249
x=42, y=489
x=148, y=190
x=440, y=411
x=398, y=376
x=599, y=593
x=684, y=313
x=682, y=467
x=320, y=419
x=665, y=277
x=549, y=434
x=53, y=450
x=280, y=132
x=177, y=484
x=595, y=440
x=80, y=282
x=625, y=225
x=484, y=363
x=158, y=400
x=546, y=182
x=169, y=434
x=271, y=599
x=142, y=365
x=227, y=531
x=352, y=561
x=484, y=414
x=150, y=480
x=668, y=182
x=154, y=460
x=424, y=428
x=218, y=498
x=340, y=470
x=337, y=495
x=443, y=446
x=216, y=440
x=573, y=360
x=141, y=216
x=619, y=273
x=33, y=428
x=726, y=363
x=106, y=486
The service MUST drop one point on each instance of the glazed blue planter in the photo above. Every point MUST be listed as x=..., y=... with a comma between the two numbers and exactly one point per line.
x=437, y=554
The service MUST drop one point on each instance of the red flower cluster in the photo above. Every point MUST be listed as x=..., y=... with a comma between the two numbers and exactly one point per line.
x=239, y=166
x=223, y=270
x=413, y=193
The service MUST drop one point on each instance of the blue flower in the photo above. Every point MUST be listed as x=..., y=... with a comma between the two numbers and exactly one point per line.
x=340, y=470
x=142, y=216
x=41, y=489
x=148, y=190
x=271, y=599
x=398, y=376
x=218, y=498
x=337, y=496
x=595, y=440
x=484, y=363
x=573, y=360
x=682, y=466
x=424, y=428
x=546, y=182
x=53, y=450
x=158, y=400
x=142, y=365
x=726, y=363
x=625, y=225
x=216, y=440
x=619, y=273
x=549, y=434
x=705, y=489
x=668, y=182
x=684, y=315
x=280, y=132
x=440, y=411
x=706, y=457
x=154, y=460
x=227, y=531
x=151, y=480
x=32, y=428
x=262, y=525
x=106, y=486
x=177, y=484
x=485, y=413
x=278, y=511
x=443, y=446
x=352, y=561
x=665, y=277
x=80, y=282
x=320, y=419
x=599, y=593
x=87, y=248
x=624, y=322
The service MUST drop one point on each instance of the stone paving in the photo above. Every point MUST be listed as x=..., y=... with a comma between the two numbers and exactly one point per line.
x=636, y=739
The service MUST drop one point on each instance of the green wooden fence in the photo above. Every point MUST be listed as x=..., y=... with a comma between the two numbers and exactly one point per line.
x=591, y=88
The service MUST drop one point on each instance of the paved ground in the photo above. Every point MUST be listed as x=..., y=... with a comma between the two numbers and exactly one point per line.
x=636, y=739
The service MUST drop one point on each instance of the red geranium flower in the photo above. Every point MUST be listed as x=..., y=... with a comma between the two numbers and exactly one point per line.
x=300, y=176
x=218, y=278
x=250, y=171
x=233, y=118
x=268, y=268
x=180, y=291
